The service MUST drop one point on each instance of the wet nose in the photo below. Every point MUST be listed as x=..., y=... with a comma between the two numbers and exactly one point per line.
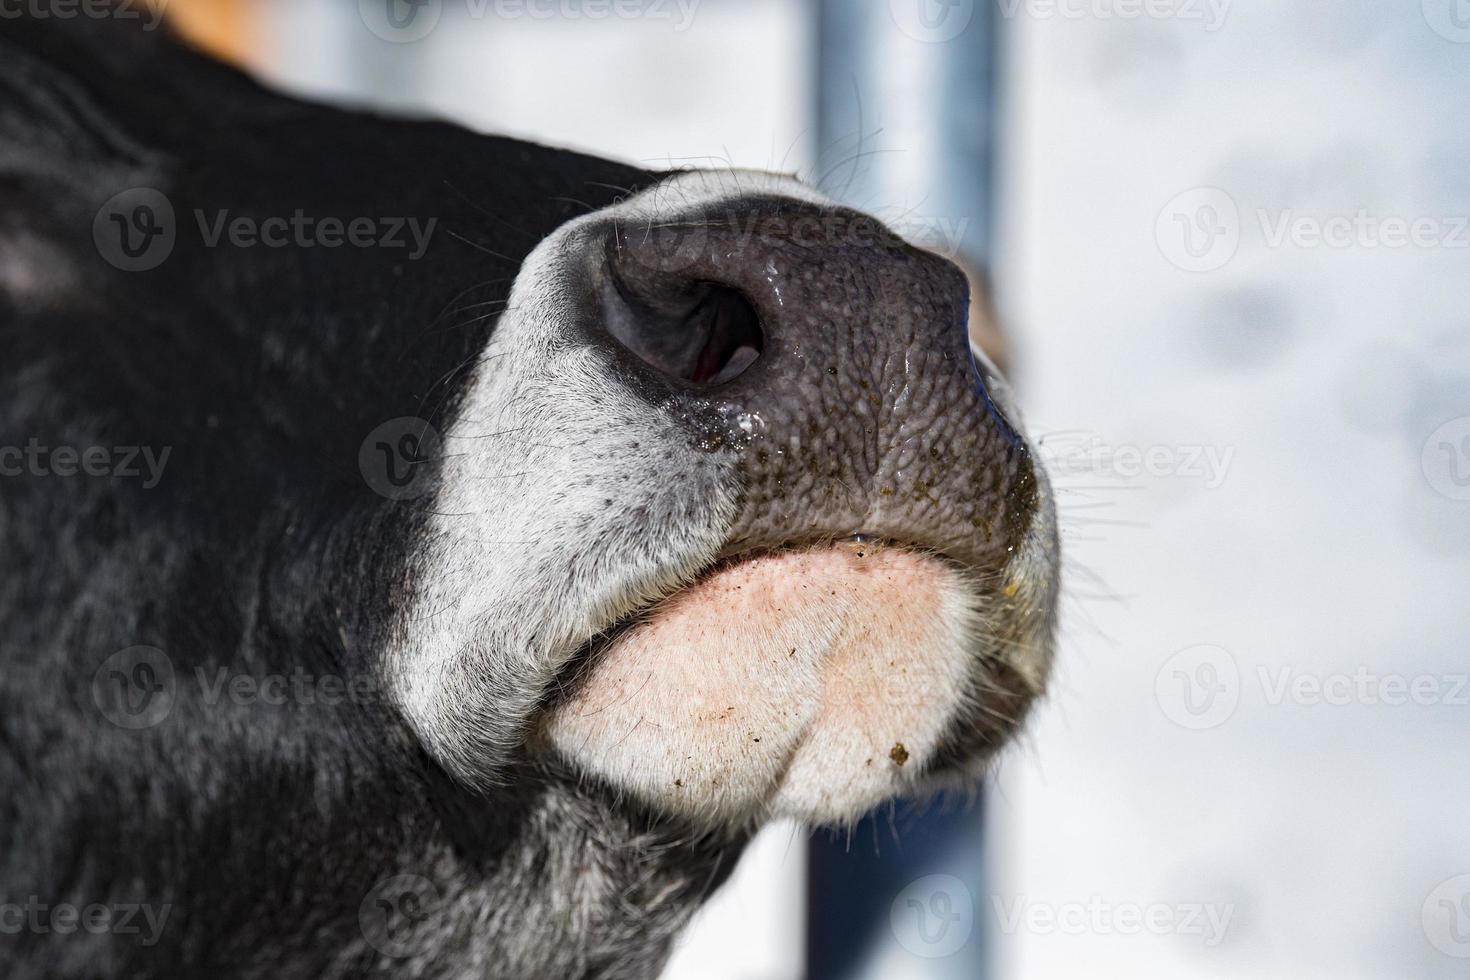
x=833, y=355
x=686, y=326
x=696, y=296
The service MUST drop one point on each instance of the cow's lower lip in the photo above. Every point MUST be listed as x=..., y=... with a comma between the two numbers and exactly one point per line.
x=859, y=543
x=814, y=681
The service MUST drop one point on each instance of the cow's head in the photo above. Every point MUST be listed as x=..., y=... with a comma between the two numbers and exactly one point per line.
x=731, y=517
x=647, y=506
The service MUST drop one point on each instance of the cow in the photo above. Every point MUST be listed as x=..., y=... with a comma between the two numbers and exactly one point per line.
x=430, y=554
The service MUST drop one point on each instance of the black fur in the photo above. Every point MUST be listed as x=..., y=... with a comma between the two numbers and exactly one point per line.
x=264, y=830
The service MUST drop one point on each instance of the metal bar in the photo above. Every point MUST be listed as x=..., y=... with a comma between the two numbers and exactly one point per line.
x=906, y=120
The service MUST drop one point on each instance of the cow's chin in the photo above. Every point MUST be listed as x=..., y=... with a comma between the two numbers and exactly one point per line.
x=811, y=683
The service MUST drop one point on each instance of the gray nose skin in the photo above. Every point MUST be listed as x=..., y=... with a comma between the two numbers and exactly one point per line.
x=833, y=357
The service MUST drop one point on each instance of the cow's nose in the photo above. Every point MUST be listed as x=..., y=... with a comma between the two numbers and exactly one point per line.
x=831, y=357
x=686, y=327
x=702, y=295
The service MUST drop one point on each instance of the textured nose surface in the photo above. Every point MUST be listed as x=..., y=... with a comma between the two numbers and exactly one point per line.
x=834, y=358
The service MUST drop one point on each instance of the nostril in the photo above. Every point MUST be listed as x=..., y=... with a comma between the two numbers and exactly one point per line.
x=697, y=331
x=732, y=337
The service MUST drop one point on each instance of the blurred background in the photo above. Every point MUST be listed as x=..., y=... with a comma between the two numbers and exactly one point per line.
x=1230, y=249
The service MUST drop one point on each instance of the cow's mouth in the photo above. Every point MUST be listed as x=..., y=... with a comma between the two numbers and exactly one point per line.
x=852, y=551
x=814, y=680
x=859, y=545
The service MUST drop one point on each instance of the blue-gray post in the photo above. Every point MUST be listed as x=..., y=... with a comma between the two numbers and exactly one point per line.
x=906, y=111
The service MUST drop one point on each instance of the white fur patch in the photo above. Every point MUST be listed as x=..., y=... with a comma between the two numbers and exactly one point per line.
x=567, y=503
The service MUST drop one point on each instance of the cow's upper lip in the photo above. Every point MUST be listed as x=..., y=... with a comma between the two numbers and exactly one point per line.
x=737, y=551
